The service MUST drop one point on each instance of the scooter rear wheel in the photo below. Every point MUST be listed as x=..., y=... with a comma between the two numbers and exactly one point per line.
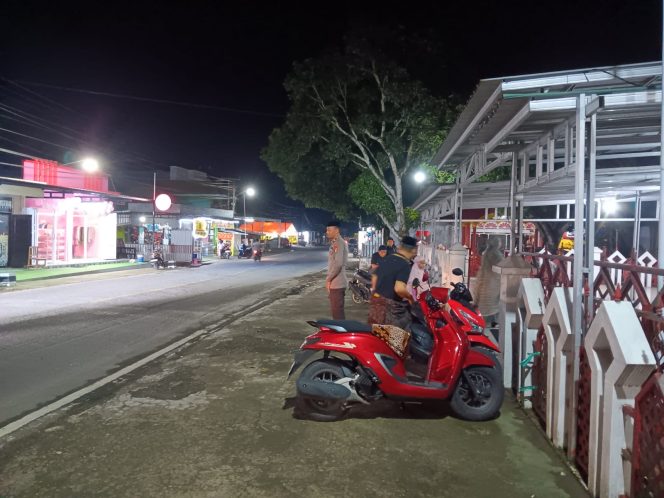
x=483, y=400
x=319, y=409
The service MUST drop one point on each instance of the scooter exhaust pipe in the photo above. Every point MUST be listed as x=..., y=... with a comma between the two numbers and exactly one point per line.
x=322, y=390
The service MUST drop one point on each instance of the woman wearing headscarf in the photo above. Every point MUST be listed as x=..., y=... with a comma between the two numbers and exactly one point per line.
x=416, y=272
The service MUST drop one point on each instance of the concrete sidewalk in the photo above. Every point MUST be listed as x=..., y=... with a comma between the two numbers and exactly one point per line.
x=215, y=419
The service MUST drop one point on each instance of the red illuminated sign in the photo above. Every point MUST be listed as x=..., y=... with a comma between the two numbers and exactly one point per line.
x=53, y=173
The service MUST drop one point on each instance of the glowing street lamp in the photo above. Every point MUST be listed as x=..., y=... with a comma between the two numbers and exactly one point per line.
x=249, y=191
x=89, y=164
x=610, y=205
x=162, y=202
x=419, y=177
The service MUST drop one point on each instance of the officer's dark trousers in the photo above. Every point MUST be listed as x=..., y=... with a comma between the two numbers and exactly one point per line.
x=337, y=303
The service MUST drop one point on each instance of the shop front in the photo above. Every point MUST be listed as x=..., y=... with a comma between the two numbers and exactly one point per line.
x=73, y=228
x=273, y=233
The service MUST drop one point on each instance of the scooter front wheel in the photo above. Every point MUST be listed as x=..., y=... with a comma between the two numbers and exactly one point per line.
x=479, y=394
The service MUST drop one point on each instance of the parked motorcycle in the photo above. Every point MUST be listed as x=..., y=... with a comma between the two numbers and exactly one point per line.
x=244, y=253
x=258, y=254
x=157, y=260
x=360, y=286
x=448, y=357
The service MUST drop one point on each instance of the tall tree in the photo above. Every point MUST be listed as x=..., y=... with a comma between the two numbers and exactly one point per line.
x=358, y=124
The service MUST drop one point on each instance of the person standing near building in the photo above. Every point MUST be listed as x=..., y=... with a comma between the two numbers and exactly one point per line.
x=390, y=246
x=336, y=281
x=487, y=290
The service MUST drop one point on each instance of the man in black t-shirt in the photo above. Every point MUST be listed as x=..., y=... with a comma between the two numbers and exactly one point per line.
x=390, y=296
x=378, y=257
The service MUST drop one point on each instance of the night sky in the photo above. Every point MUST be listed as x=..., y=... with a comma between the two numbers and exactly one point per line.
x=233, y=57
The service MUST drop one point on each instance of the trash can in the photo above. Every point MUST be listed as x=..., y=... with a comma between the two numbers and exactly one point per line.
x=140, y=258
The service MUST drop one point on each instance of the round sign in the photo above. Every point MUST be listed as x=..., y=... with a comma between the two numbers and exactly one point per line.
x=162, y=202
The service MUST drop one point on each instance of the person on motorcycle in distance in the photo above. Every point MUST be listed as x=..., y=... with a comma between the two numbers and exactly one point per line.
x=257, y=246
x=225, y=246
x=390, y=298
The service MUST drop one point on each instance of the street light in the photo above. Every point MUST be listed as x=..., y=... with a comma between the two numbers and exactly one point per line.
x=420, y=177
x=89, y=164
x=249, y=191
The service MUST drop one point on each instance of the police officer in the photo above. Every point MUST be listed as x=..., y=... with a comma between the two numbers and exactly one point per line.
x=336, y=281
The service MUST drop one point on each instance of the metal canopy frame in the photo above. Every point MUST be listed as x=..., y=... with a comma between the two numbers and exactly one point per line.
x=532, y=120
x=568, y=136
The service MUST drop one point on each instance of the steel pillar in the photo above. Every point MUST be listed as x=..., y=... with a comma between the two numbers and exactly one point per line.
x=577, y=289
x=515, y=162
x=590, y=207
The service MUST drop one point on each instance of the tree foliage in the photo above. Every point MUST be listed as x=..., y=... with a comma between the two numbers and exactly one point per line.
x=357, y=125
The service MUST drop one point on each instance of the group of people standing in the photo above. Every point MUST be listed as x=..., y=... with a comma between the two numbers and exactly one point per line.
x=390, y=269
x=393, y=270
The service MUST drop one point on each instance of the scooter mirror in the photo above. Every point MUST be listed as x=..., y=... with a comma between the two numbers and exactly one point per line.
x=458, y=272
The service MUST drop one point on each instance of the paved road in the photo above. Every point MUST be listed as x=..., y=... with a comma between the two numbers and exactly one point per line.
x=67, y=333
x=215, y=419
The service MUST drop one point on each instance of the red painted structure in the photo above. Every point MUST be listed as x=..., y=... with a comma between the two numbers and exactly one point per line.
x=56, y=174
x=647, y=454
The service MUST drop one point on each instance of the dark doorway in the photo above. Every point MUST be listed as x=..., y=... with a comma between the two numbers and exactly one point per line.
x=20, y=238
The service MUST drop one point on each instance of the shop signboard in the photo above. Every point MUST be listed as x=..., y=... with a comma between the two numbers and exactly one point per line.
x=200, y=228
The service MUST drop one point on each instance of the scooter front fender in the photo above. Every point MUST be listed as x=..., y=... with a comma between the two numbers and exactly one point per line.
x=482, y=340
x=477, y=358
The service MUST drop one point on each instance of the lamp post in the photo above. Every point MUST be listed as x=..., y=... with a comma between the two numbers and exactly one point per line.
x=420, y=177
x=154, y=208
x=249, y=191
x=161, y=202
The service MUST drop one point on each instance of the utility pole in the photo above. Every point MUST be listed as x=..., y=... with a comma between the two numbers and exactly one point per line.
x=154, y=200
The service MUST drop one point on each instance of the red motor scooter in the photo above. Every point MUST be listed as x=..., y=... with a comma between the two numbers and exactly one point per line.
x=448, y=357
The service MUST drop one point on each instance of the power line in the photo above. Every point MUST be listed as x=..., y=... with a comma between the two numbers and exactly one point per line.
x=34, y=123
x=35, y=138
x=42, y=97
x=80, y=138
x=157, y=101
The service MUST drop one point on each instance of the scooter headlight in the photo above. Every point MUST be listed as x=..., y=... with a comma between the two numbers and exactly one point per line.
x=474, y=327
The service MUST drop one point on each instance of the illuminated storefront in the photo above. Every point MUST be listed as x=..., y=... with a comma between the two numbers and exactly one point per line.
x=74, y=220
x=71, y=229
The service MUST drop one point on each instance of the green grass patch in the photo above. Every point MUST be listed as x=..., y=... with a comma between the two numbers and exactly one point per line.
x=23, y=274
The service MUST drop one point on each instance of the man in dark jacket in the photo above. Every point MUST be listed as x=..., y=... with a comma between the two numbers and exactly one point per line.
x=390, y=298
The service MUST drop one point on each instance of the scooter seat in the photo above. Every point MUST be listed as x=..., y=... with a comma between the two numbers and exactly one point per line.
x=344, y=325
